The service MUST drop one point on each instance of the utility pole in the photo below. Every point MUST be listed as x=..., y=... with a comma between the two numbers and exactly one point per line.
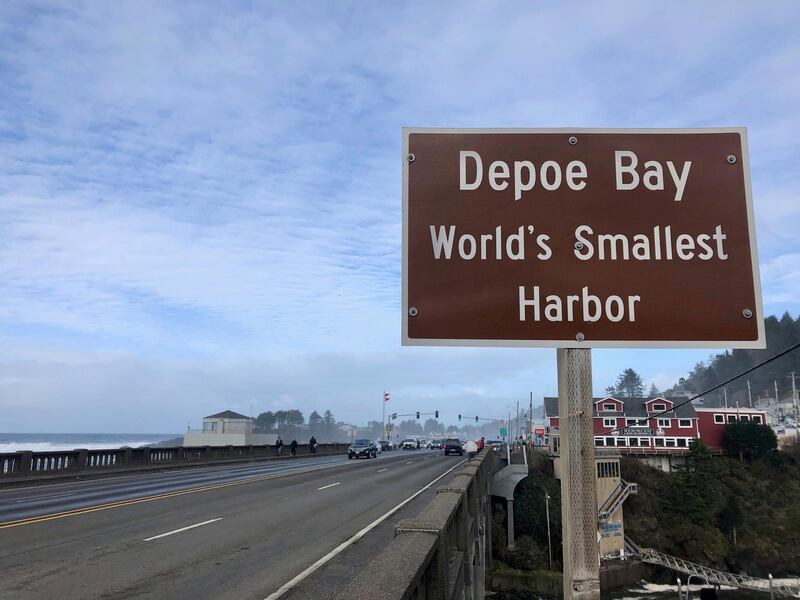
x=383, y=416
x=725, y=395
x=530, y=419
x=516, y=433
x=749, y=395
x=577, y=466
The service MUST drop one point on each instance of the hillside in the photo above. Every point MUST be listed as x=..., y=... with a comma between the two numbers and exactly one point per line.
x=740, y=516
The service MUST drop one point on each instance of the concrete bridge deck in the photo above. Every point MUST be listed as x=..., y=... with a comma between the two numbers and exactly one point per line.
x=229, y=533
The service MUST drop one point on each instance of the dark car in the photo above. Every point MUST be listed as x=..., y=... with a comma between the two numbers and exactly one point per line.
x=362, y=449
x=453, y=446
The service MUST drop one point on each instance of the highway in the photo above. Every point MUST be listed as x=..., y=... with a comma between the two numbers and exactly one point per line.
x=258, y=531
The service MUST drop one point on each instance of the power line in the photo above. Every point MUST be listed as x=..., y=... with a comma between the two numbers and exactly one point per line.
x=716, y=387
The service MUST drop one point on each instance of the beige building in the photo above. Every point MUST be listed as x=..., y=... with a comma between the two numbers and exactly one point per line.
x=227, y=428
x=612, y=491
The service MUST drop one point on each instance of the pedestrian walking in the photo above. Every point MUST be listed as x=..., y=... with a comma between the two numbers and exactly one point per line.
x=293, y=447
x=312, y=444
x=279, y=446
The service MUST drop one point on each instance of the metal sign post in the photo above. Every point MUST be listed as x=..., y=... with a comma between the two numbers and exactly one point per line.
x=578, y=491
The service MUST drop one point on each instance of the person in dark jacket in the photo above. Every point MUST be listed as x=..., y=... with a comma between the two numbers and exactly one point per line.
x=279, y=446
x=481, y=443
x=312, y=444
x=293, y=447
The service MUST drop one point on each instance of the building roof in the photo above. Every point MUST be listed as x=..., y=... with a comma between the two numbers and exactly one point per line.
x=633, y=407
x=227, y=414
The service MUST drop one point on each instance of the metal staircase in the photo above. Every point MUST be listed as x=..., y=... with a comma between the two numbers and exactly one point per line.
x=712, y=576
x=616, y=498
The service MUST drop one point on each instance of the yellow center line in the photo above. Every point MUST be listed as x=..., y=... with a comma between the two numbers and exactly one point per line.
x=121, y=503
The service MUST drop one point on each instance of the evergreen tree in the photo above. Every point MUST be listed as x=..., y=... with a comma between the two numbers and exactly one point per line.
x=748, y=440
x=629, y=384
x=653, y=391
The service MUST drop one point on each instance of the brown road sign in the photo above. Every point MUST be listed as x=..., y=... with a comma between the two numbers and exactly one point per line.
x=595, y=238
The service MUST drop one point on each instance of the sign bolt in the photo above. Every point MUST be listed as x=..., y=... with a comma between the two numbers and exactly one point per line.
x=413, y=311
x=731, y=158
x=411, y=158
x=573, y=140
x=580, y=337
x=578, y=245
x=747, y=313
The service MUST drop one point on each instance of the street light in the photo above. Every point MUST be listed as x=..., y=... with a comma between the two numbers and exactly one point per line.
x=547, y=513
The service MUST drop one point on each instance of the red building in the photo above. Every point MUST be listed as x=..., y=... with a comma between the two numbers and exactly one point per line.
x=641, y=425
x=713, y=420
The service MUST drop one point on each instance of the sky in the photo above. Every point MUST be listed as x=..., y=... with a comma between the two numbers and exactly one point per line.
x=200, y=203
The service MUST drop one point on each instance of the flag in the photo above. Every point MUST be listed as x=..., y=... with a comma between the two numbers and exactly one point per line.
x=386, y=396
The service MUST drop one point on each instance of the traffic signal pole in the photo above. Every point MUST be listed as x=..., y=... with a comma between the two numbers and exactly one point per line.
x=578, y=491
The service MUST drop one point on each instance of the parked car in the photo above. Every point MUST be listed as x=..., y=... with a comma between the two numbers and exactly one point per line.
x=453, y=446
x=362, y=449
x=408, y=444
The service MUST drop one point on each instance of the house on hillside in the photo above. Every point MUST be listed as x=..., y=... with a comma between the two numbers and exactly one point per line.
x=654, y=426
x=227, y=428
x=636, y=425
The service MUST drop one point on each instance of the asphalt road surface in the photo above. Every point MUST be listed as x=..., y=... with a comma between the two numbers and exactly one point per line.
x=260, y=531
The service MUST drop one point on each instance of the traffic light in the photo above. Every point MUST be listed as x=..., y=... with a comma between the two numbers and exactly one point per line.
x=418, y=414
x=394, y=415
x=386, y=396
x=459, y=418
x=476, y=418
x=436, y=414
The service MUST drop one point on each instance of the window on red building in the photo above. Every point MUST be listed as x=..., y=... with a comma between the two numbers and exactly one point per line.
x=719, y=419
x=757, y=419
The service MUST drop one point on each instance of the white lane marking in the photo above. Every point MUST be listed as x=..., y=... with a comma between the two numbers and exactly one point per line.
x=155, y=537
x=382, y=470
x=325, y=487
x=333, y=553
x=46, y=497
x=409, y=462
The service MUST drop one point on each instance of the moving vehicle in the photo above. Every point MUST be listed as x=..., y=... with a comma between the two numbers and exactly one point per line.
x=453, y=446
x=362, y=448
x=408, y=444
x=437, y=444
x=386, y=445
x=495, y=445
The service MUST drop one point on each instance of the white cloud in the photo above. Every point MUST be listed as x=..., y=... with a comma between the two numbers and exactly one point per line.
x=215, y=188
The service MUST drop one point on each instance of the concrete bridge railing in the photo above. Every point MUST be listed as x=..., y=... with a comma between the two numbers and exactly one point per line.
x=444, y=552
x=26, y=466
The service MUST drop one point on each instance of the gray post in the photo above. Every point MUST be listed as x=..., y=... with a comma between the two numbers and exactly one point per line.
x=680, y=592
x=578, y=488
x=771, y=591
x=510, y=519
x=549, y=544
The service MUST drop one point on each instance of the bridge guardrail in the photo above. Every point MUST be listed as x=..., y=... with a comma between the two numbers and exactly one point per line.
x=441, y=553
x=23, y=466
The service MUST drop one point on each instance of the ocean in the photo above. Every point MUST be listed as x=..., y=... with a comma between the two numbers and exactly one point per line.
x=44, y=442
